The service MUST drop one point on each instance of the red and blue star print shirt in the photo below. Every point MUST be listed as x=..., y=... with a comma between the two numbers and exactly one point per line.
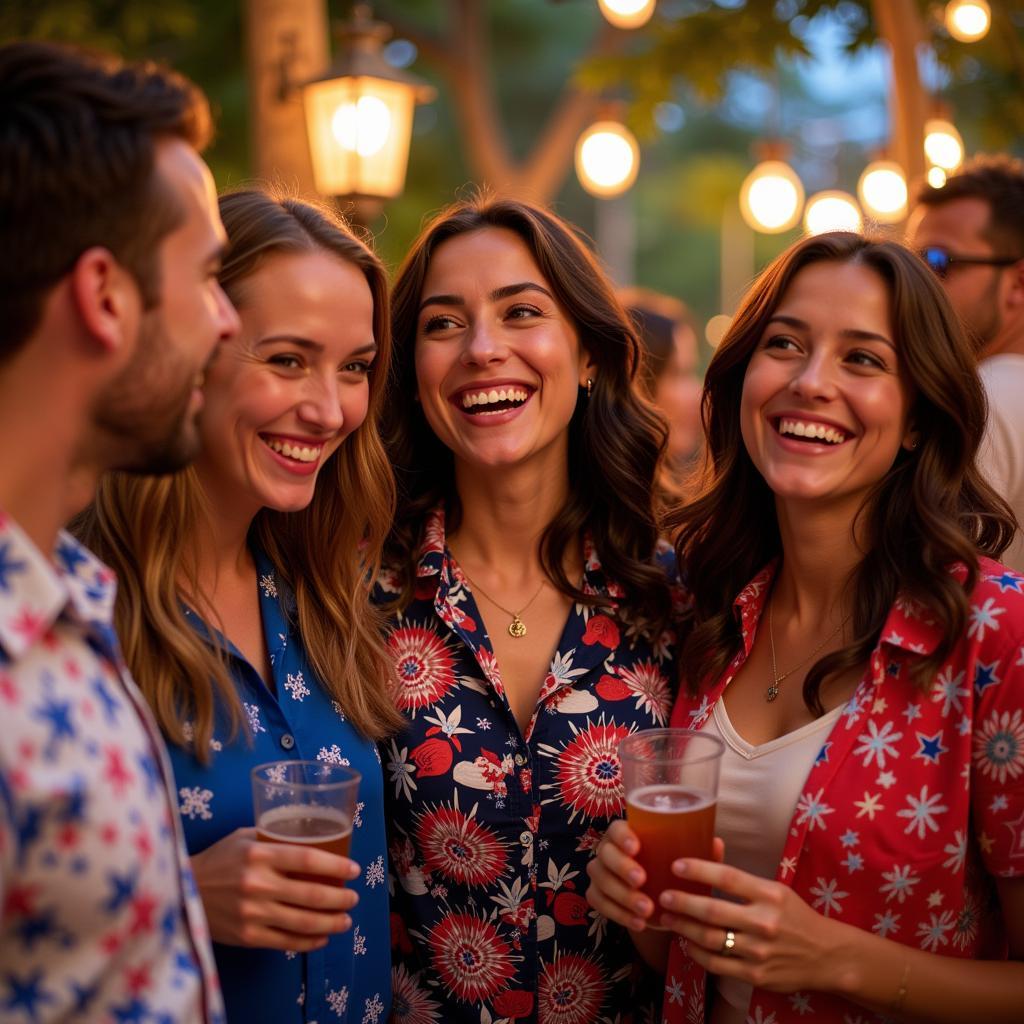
x=100, y=918
x=491, y=829
x=915, y=802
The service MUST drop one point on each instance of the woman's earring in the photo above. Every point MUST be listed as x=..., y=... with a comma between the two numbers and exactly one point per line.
x=590, y=386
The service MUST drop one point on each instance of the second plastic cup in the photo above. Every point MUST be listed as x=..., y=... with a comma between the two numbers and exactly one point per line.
x=308, y=803
x=670, y=777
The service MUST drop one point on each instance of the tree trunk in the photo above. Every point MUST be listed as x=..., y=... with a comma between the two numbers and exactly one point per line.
x=287, y=44
x=899, y=24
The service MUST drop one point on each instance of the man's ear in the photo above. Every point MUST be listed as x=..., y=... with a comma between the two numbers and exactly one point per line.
x=1015, y=295
x=107, y=299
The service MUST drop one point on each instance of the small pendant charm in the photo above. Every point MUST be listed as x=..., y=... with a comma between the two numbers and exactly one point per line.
x=771, y=693
x=516, y=628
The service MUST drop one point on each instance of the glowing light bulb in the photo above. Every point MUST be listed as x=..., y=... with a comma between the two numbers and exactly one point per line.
x=627, y=13
x=943, y=145
x=968, y=20
x=882, y=190
x=832, y=211
x=607, y=159
x=936, y=177
x=771, y=196
x=362, y=127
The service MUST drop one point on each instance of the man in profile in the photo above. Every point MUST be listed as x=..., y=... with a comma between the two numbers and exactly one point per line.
x=971, y=233
x=110, y=244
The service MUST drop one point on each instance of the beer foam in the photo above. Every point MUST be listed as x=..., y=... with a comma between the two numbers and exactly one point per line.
x=667, y=799
x=290, y=812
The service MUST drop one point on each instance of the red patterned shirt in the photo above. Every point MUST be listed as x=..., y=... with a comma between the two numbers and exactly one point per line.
x=490, y=829
x=915, y=802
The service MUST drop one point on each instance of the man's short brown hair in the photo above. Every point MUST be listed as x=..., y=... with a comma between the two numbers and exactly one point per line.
x=78, y=134
x=998, y=180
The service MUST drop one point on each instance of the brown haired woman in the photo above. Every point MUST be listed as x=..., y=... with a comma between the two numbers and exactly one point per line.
x=860, y=654
x=529, y=621
x=244, y=611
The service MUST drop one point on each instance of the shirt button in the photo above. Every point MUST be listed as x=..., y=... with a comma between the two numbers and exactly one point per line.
x=525, y=838
x=287, y=741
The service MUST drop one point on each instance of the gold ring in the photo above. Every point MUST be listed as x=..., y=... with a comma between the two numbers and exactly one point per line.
x=728, y=943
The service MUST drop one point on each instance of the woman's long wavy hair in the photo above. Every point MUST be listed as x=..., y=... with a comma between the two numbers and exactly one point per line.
x=930, y=511
x=325, y=553
x=615, y=438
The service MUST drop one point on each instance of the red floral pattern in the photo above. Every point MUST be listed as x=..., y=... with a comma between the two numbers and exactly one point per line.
x=474, y=962
x=459, y=848
x=492, y=827
x=571, y=991
x=425, y=666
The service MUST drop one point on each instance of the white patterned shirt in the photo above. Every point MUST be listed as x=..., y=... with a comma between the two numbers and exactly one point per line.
x=100, y=918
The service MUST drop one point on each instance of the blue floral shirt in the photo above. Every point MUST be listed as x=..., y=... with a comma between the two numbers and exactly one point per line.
x=349, y=979
x=491, y=828
x=100, y=919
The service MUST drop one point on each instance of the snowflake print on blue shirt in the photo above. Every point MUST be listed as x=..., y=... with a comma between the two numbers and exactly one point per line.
x=298, y=720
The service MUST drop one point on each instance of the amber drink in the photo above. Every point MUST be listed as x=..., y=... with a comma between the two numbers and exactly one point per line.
x=670, y=777
x=306, y=803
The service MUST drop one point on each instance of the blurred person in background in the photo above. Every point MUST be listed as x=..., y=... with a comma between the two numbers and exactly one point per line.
x=971, y=233
x=110, y=308
x=244, y=609
x=670, y=378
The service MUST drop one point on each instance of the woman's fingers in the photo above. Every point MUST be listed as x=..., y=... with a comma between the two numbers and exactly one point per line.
x=725, y=879
x=619, y=902
x=615, y=878
x=296, y=859
x=300, y=921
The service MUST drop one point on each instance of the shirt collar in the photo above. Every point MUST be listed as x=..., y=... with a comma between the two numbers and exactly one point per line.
x=36, y=591
x=908, y=626
x=433, y=556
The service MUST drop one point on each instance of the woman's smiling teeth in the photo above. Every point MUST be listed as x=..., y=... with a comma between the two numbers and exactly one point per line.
x=494, y=400
x=298, y=452
x=812, y=431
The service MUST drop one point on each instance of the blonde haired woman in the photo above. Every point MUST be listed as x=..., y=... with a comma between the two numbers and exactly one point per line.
x=244, y=613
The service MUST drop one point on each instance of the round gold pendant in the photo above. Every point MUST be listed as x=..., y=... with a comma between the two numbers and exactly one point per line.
x=516, y=628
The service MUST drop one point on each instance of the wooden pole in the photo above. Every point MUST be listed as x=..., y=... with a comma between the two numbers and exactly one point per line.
x=899, y=24
x=287, y=44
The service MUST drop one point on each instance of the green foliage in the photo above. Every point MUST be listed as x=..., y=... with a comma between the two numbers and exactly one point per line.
x=133, y=29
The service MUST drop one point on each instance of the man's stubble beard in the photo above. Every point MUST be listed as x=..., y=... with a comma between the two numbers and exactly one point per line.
x=144, y=413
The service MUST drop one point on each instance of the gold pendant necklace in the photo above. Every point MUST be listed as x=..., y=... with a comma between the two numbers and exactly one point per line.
x=773, y=691
x=516, y=628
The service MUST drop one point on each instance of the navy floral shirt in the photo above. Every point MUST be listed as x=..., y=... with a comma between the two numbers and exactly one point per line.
x=349, y=980
x=492, y=829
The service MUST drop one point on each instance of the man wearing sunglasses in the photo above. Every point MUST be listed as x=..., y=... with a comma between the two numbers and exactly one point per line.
x=971, y=233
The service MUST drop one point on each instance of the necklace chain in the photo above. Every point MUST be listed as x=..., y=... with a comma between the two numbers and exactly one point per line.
x=516, y=628
x=773, y=691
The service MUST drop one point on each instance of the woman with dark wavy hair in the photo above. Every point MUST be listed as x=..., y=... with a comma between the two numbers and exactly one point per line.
x=530, y=608
x=860, y=654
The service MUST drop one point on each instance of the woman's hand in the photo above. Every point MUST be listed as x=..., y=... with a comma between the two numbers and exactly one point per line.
x=615, y=879
x=250, y=900
x=780, y=943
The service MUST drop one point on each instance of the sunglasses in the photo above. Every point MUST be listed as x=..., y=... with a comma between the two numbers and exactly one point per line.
x=940, y=260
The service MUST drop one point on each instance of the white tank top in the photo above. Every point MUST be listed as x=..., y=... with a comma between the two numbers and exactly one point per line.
x=757, y=795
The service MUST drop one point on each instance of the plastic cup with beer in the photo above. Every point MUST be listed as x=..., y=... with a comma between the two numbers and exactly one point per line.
x=306, y=803
x=670, y=777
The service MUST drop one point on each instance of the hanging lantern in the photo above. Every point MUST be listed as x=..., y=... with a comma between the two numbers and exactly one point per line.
x=359, y=115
